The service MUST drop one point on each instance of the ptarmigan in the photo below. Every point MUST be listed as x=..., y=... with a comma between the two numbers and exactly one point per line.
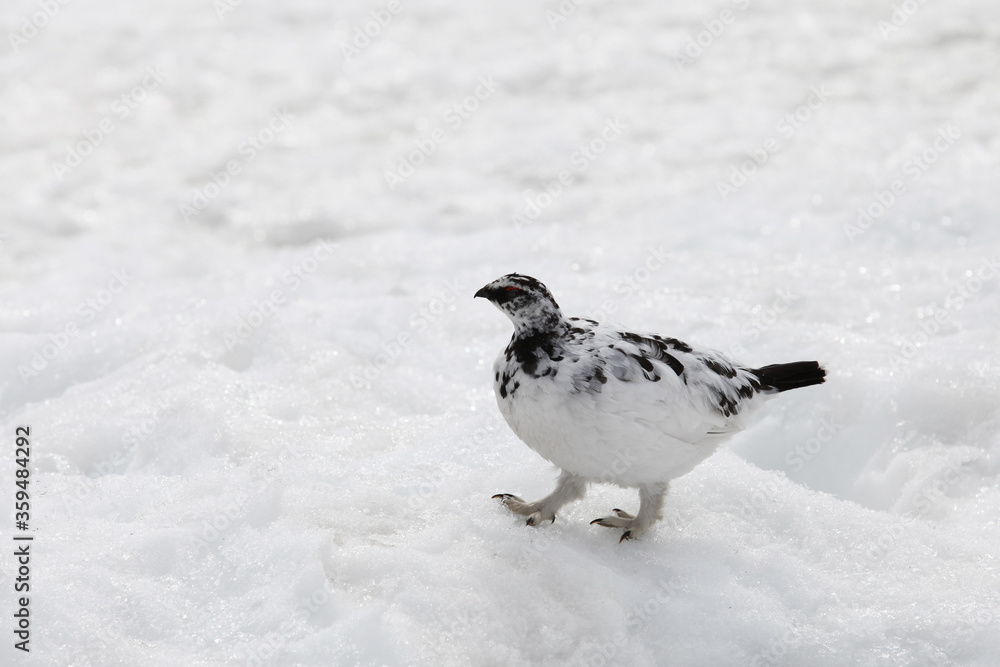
x=604, y=405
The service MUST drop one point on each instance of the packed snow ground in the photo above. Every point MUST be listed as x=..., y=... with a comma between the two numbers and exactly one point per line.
x=239, y=245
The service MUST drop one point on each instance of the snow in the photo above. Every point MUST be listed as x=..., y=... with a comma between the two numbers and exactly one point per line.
x=258, y=385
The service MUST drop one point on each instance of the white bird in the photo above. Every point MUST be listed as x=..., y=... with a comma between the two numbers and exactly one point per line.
x=604, y=405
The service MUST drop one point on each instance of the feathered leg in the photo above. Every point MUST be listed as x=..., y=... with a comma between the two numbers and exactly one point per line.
x=569, y=488
x=650, y=506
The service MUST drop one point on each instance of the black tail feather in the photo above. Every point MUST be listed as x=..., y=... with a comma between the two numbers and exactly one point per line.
x=791, y=376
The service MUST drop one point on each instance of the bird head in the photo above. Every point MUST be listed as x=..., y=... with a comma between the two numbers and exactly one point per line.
x=527, y=302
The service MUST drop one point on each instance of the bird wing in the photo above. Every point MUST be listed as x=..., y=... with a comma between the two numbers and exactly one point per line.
x=684, y=393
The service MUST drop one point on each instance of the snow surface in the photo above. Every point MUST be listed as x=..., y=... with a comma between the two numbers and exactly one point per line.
x=263, y=427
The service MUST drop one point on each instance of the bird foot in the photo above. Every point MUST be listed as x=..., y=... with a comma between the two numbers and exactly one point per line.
x=534, y=512
x=621, y=519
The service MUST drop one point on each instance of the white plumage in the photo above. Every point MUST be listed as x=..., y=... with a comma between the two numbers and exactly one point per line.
x=613, y=406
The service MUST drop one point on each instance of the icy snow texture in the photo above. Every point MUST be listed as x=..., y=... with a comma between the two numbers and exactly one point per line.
x=263, y=502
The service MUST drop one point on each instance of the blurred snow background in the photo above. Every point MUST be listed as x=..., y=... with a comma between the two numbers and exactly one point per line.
x=239, y=244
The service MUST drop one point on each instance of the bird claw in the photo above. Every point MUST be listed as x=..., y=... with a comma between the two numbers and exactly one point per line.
x=530, y=510
x=536, y=519
x=504, y=497
x=622, y=519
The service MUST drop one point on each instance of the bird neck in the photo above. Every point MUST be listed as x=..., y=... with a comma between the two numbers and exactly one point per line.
x=538, y=333
x=539, y=320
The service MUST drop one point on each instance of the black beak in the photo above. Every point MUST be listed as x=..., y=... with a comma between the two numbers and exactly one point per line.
x=485, y=293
